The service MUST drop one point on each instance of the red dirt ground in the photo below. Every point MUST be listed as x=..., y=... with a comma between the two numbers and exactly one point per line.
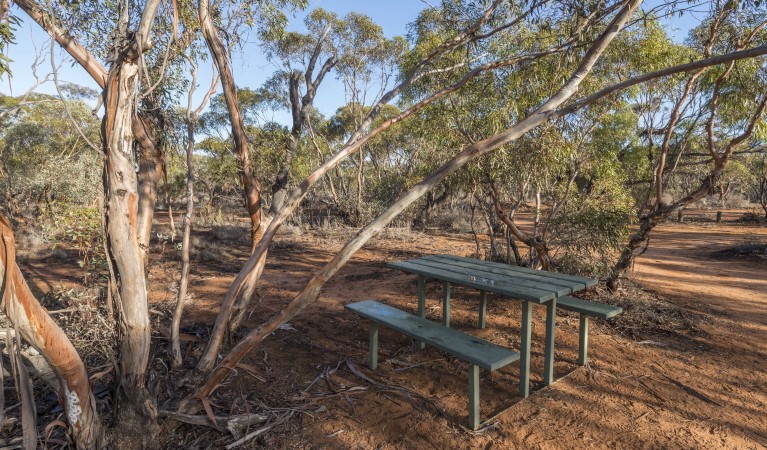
x=683, y=367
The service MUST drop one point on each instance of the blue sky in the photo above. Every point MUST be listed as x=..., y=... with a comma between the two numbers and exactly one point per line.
x=250, y=67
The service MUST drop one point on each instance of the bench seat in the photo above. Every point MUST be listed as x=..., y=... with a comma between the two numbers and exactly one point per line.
x=477, y=352
x=589, y=308
x=586, y=309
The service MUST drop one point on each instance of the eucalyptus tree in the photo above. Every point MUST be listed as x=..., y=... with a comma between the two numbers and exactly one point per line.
x=129, y=52
x=547, y=161
x=305, y=61
x=731, y=114
x=355, y=48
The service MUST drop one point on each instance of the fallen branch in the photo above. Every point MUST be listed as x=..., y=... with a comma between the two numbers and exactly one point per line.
x=260, y=431
x=234, y=424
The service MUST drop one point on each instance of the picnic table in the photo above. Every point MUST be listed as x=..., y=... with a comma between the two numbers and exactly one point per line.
x=527, y=285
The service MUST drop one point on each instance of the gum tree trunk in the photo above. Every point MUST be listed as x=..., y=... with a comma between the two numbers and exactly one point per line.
x=252, y=189
x=122, y=228
x=133, y=402
x=150, y=168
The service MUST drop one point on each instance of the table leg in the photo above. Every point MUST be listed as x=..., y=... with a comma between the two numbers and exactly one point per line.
x=551, y=326
x=446, y=304
x=473, y=396
x=421, y=303
x=373, y=349
x=524, y=351
x=482, y=308
x=583, y=348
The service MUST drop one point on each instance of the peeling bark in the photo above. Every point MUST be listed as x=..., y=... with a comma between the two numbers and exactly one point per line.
x=134, y=404
x=123, y=233
x=150, y=167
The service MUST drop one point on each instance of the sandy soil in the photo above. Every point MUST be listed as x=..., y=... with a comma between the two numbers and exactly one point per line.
x=683, y=367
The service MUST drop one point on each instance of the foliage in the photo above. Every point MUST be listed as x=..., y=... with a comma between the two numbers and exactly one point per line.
x=43, y=157
x=82, y=228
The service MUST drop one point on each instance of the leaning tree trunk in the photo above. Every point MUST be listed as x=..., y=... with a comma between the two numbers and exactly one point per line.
x=39, y=330
x=252, y=189
x=250, y=184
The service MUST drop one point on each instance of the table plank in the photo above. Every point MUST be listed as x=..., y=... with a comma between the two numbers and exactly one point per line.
x=506, y=279
x=521, y=292
x=535, y=280
x=557, y=275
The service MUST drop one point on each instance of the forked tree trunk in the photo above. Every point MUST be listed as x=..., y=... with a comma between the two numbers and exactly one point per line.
x=40, y=331
x=534, y=243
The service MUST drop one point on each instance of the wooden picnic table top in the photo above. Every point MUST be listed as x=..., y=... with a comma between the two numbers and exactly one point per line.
x=518, y=282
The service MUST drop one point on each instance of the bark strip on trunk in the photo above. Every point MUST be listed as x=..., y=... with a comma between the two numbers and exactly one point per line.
x=150, y=167
x=41, y=331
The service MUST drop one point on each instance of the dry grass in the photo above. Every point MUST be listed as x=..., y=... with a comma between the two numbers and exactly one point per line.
x=646, y=315
x=80, y=313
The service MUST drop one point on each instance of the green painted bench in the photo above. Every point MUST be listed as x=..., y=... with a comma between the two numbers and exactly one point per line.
x=586, y=309
x=477, y=352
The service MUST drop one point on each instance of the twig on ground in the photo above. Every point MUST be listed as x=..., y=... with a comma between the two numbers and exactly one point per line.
x=691, y=391
x=652, y=391
x=260, y=431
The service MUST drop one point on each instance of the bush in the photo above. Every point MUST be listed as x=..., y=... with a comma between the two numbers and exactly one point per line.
x=81, y=227
x=587, y=239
